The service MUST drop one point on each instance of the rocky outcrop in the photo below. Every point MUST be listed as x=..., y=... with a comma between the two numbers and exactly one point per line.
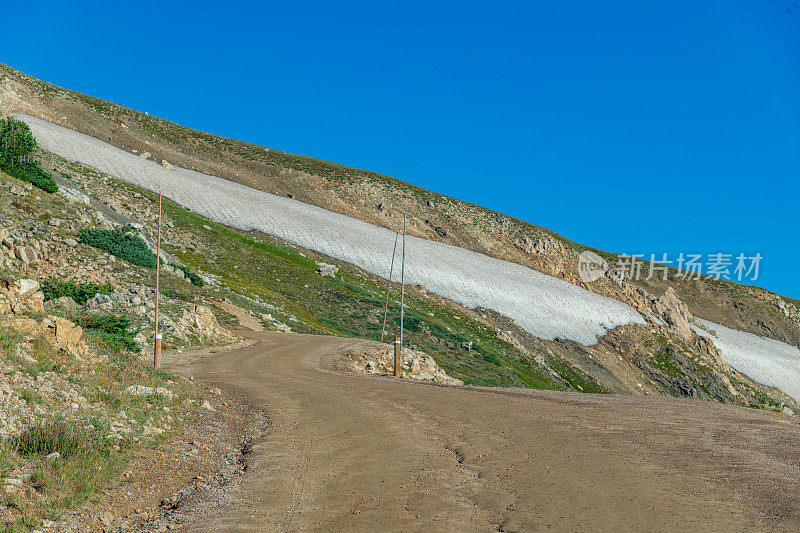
x=543, y=245
x=201, y=322
x=20, y=295
x=416, y=365
x=674, y=313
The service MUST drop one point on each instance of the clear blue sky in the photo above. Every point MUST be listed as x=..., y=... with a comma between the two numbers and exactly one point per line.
x=630, y=126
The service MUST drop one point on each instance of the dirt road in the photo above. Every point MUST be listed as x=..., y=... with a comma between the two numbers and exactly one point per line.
x=347, y=452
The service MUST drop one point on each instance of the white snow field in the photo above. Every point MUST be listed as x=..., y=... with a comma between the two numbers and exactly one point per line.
x=545, y=306
x=770, y=362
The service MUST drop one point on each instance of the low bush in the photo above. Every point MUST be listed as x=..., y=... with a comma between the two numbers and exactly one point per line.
x=110, y=330
x=32, y=173
x=176, y=294
x=80, y=292
x=120, y=244
x=193, y=278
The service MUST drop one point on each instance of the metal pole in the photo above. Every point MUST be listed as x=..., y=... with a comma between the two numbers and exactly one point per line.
x=403, y=281
x=397, y=357
x=157, y=345
x=389, y=283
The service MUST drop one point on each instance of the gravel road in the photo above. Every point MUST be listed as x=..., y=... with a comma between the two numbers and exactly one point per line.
x=349, y=452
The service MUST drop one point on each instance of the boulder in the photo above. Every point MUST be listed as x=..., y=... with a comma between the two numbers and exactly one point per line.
x=64, y=302
x=67, y=336
x=166, y=164
x=142, y=390
x=327, y=271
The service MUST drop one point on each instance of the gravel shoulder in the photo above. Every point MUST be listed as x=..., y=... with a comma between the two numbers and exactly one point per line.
x=350, y=452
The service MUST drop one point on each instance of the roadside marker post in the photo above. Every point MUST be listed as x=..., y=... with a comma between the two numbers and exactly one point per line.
x=397, y=349
x=157, y=340
x=403, y=280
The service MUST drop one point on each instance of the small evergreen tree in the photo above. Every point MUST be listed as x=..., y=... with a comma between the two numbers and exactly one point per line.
x=16, y=141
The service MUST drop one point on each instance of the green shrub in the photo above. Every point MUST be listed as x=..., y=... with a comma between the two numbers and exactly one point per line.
x=411, y=321
x=80, y=292
x=193, y=278
x=173, y=293
x=491, y=358
x=110, y=330
x=121, y=244
x=16, y=141
x=16, y=145
x=31, y=173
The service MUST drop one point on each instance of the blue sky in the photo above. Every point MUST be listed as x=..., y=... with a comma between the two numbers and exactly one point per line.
x=639, y=127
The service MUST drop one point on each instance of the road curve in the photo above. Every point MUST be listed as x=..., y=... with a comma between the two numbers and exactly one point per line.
x=366, y=453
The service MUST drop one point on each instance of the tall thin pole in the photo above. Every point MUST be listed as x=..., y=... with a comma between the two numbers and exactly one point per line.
x=403, y=282
x=157, y=344
x=389, y=283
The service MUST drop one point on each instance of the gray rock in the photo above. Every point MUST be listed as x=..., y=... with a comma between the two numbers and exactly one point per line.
x=64, y=302
x=327, y=271
x=141, y=390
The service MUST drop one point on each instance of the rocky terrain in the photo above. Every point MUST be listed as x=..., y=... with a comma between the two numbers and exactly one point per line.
x=414, y=364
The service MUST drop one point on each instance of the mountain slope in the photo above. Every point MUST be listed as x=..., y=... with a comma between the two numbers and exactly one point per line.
x=630, y=359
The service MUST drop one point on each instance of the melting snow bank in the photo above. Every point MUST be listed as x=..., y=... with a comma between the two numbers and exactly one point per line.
x=547, y=307
x=770, y=362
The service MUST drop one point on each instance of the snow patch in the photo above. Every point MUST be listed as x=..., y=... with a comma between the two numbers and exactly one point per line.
x=768, y=361
x=546, y=306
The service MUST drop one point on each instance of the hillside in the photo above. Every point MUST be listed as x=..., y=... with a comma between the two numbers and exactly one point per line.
x=256, y=240
x=665, y=356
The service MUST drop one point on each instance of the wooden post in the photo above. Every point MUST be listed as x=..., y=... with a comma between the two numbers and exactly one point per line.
x=397, y=361
x=403, y=281
x=157, y=340
x=389, y=283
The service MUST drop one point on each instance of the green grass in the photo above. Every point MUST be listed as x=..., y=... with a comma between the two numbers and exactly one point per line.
x=352, y=303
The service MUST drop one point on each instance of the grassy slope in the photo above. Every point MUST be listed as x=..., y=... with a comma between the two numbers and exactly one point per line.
x=266, y=270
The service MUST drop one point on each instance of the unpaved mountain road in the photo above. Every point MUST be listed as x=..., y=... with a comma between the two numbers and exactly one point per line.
x=365, y=453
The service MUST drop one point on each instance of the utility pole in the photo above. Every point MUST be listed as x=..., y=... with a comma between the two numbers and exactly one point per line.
x=157, y=345
x=403, y=282
x=389, y=284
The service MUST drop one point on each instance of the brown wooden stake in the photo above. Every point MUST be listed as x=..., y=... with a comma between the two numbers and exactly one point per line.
x=403, y=280
x=397, y=357
x=157, y=345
